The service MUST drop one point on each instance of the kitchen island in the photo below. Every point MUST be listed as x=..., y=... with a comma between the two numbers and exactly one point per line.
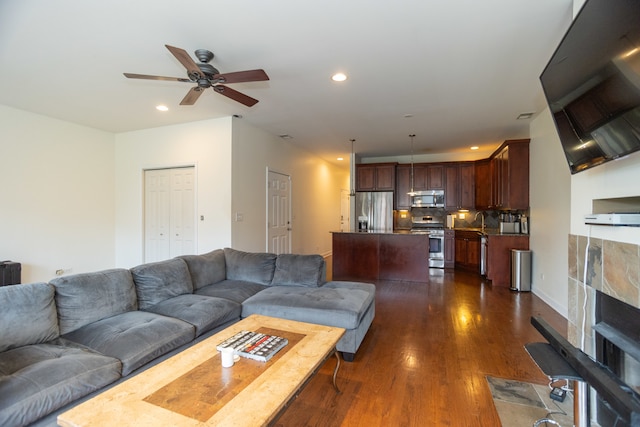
x=373, y=255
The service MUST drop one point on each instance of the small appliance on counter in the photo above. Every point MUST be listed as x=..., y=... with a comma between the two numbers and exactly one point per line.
x=511, y=223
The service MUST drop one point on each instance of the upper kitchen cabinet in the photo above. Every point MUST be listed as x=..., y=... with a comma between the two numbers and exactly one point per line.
x=435, y=177
x=403, y=185
x=459, y=190
x=483, y=185
x=376, y=177
x=510, y=176
x=426, y=176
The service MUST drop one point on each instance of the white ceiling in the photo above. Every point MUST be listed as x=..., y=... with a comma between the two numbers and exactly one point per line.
x=463, y=69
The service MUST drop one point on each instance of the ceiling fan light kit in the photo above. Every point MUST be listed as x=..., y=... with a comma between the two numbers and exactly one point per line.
x=207, y=76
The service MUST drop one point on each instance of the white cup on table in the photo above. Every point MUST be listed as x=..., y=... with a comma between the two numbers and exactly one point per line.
x=227, y=356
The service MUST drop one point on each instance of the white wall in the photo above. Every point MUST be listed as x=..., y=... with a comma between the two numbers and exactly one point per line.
x=618, y=178
x=550, y=200
x=57, y=203
x=315, y=197
x=205, y=145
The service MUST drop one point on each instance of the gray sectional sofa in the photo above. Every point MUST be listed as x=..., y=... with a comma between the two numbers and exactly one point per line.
x=64, y=341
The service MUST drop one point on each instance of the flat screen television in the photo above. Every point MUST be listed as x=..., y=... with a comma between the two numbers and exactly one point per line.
x=592, y=84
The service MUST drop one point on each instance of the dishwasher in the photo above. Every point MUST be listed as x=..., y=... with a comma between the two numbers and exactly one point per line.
x=483, y=255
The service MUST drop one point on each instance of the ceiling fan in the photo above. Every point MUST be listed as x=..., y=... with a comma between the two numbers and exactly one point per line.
x=206, y=76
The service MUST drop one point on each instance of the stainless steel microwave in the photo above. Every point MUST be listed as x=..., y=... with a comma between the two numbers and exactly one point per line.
x=428, y=199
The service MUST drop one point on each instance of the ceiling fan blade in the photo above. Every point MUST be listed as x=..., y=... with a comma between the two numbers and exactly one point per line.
x=184, y=58
x=146, y=77
x=242, y=76
x=192, y=96
x=235, y=95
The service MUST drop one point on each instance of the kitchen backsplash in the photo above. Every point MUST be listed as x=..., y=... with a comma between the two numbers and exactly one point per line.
x=612, y=268
x=402, y=219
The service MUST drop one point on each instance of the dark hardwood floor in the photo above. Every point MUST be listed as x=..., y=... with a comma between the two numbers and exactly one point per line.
x=425, y=358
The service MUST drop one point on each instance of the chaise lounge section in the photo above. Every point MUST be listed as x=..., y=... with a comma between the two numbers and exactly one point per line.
x=63, y=341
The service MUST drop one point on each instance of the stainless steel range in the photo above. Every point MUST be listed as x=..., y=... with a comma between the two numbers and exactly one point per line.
x=434, y=228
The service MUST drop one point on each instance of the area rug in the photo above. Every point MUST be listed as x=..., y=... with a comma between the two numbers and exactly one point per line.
x=522, y=404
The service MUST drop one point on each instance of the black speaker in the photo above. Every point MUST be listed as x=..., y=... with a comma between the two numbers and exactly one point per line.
x=10, y=273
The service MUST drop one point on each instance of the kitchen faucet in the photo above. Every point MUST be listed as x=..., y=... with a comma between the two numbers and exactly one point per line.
x=481, y=216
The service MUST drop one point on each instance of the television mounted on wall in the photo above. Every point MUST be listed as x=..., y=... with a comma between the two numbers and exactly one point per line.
x=592, y=84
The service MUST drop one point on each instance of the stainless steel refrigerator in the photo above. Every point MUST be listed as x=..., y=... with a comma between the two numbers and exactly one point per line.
x=377, y=208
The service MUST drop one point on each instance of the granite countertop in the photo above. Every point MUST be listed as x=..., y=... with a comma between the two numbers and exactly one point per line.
x=486, y=232
x=379, y=232
x=489, y=231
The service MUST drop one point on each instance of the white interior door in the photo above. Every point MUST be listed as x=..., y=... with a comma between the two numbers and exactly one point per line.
x=278, y=213
x=182, y=219
x=345, y=210
x=169, y=207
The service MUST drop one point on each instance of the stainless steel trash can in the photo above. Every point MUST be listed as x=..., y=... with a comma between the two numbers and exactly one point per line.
x=520, y=270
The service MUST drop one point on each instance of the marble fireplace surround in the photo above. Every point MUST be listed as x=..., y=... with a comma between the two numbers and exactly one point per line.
x=612, y=268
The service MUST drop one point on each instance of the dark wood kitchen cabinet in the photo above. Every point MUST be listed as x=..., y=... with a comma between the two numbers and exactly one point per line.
x=483, y=184
x=467, y=250
x=459, y=186
x=499, y=256
x=402, y=200
x=449, y=248
x=376, y=177
x=435, y=177
x=426, y=176
x=510, y=176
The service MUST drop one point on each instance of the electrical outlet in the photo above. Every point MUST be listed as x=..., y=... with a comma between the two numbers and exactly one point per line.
x=239, y=217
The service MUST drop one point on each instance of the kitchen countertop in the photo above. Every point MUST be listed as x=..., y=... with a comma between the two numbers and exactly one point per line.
x=378, y=232
x=489, y=231
x=486, y=232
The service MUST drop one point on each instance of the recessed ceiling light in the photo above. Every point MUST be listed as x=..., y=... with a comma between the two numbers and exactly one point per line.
x=524, y=116
x=340, y=158
x=475, y=147
x=162, y=108
x=339, y=77
x=285, y=136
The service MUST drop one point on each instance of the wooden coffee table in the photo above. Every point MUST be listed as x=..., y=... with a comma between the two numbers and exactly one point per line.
x=193, y=389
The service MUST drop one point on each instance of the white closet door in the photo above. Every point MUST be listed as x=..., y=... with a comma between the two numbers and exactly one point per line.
x=169, y=219
x=279, y=213
x=182, y=212
x=157, y=212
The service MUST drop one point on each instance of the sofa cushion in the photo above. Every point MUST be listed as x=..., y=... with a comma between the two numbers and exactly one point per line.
x=250, y=266
x=203, y=312
x=299, y=270
x=27, y=315
x=87, y=297
x=135, y=337
x=158, y=281
x=341, y=304
x=38, y=379
x=234, y=290
x=206, y=269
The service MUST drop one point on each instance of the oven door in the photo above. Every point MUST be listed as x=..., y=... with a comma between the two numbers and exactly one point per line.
x=436, y=249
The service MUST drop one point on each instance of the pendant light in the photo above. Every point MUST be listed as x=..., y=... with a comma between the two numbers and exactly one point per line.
x=352, y=167
x=412, y=192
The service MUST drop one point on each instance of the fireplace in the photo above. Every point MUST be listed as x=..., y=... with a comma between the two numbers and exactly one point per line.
x=617, y=346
